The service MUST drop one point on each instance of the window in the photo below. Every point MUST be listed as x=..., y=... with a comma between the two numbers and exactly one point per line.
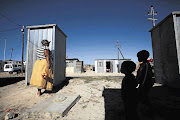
x=100, y=64
x=7, y=66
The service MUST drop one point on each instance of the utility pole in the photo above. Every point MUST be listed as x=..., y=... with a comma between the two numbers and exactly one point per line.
x=153, y=14
x=11, y=53
x=118, y=54
x=5, y=49
x=22, y=30
x=118, y=49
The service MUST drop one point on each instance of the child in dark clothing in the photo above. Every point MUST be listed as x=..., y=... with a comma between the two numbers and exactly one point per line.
x=144, y=76
x=129, y=91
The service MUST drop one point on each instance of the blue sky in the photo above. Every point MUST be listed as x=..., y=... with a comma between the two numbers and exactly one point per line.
x=92, y=26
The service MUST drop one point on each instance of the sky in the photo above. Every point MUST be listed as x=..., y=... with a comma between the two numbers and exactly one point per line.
x=92, y=26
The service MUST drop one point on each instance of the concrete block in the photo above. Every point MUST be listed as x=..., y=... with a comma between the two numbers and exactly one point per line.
x=55, y=107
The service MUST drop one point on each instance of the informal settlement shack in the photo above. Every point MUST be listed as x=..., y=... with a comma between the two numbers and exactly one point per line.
x=74, y=66
x=166, y=50
x=53, y=33
x=108, y=65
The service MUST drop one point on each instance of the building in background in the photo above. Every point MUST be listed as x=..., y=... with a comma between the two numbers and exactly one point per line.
x=108, y=65
x=74, y=66
x=2, y=62
x=1, y=65
x=89, y=67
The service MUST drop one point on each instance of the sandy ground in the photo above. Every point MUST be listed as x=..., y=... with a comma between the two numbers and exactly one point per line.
x=100, y=98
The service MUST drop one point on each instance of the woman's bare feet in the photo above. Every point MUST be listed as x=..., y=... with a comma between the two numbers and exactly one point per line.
x=39, y=93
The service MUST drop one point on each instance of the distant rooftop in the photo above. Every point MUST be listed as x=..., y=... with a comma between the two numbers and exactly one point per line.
x=72, y=59
x=112, y=59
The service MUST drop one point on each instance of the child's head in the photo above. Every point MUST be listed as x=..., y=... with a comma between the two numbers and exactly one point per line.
x=142, y=55
x=128, y=67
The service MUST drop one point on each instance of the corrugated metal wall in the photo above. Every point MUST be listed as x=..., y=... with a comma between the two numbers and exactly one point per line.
x=35, y=36
x=57, y=45
x=60, y=57
x=164, y=43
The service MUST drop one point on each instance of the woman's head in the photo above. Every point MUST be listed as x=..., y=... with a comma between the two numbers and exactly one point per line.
x=128, y=67
x=45, y=42
x=142, y=55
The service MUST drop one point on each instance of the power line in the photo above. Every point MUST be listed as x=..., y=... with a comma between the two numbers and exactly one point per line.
x=32, y=43
x=9, y=29
x=9, y=19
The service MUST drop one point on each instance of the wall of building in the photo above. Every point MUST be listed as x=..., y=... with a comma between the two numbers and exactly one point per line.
x=165, y=51
x=99, y=66
x=60, y=57
x=57, y=45
x=79, y=66
x=34, y=38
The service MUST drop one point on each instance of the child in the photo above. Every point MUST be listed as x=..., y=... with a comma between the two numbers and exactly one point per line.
x=144, y=76
x=129, y=91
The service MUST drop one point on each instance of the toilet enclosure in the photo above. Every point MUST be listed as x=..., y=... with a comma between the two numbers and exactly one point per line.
x=53, y=33
x=166, y=50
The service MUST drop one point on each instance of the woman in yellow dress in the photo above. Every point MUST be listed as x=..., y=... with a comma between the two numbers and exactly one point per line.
x=42, y=76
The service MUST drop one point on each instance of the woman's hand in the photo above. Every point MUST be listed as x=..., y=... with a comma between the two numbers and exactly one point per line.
x=48, y=66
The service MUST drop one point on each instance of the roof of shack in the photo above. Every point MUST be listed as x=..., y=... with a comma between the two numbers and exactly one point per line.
x=112, y=59
x=173, y=13
x=45, y=26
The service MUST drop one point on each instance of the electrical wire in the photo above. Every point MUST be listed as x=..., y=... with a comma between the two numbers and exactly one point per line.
x=9, y=29
x=9, y=19
x=33, y=43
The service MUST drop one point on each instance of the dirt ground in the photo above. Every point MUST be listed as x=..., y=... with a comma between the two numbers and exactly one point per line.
x=100, y=98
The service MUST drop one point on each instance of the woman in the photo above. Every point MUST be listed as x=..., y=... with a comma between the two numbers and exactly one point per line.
x=42, y=71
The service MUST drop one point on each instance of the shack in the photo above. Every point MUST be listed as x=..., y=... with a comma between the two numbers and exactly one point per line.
x=166, y=50
x=108, y=65
x=1, y=65
x=74, y=66
x=53, y=33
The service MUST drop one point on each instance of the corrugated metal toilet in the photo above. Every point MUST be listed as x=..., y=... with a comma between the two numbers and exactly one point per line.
x=166, y=50
x=53, y=33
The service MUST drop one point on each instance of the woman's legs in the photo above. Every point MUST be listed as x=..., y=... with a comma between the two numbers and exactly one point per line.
x=39, y=92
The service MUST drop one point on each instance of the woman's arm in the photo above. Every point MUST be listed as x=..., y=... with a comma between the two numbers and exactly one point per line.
x=46, y=53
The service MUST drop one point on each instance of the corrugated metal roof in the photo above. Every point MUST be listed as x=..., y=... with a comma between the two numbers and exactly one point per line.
x=112, y=59
x=45, y=26
x=173, y=13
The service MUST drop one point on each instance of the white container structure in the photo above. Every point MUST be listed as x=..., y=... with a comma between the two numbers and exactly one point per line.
x=53, y=33
x=166, y=50
x=108, y=65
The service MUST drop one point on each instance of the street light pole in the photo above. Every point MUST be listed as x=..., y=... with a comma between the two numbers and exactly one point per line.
x=5, y=49
x=22, y=30
x=11, y=53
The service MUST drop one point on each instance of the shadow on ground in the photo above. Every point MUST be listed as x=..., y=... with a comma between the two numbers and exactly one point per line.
x=113, y=104
x=60, y=86
x=165, y=104
x=9, y=81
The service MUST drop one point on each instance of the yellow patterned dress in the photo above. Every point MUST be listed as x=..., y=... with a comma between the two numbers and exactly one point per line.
x=40, y=67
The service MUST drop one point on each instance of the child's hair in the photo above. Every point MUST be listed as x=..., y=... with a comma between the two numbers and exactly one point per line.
x=143, y=54
x=130, y=66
